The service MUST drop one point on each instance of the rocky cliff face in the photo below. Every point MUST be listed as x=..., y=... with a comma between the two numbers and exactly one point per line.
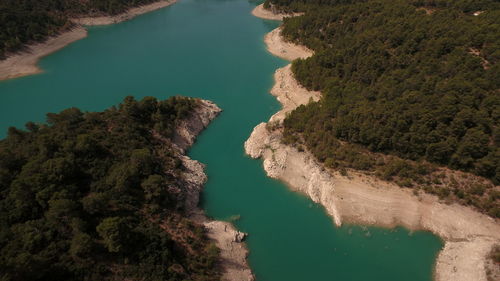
x=227, y=238
x=468, y=235
x=184, y=137
x=187, y=131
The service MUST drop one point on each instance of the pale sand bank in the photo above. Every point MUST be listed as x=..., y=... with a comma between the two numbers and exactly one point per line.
x=359, y=199
x=289, y=93
x=25, y=62
x=233, y=250
x=133, y=12
x=277, y=46
x=262, y=13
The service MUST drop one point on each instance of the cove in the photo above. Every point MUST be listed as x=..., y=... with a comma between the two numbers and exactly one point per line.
x=213, y=49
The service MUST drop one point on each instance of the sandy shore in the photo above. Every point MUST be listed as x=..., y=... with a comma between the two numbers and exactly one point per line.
x=359, y=199
x=262, y=13
x=285, y=50
x=105, y=20
x=229, y=240
x=25, y=63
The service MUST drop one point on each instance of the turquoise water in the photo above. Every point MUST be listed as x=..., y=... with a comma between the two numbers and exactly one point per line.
x=214, y=49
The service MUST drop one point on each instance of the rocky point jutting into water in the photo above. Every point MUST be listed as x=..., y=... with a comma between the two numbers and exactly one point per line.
x=469, y=236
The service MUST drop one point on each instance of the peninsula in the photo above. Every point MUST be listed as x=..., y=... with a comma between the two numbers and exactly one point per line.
x=355, y=196
x=111, y=195
x=19, y=57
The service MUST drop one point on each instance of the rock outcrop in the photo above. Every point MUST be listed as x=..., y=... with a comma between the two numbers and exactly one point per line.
x=233, y=253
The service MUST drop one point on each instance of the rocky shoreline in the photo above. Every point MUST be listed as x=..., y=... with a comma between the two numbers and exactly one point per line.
x=130, y=14
x=360, y=199
x=25, y=62
x=262, y=13
x=283, y=49
x=229, y=240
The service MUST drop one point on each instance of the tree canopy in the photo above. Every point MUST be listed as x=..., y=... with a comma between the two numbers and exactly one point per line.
x=100, y=196
x=418, y=80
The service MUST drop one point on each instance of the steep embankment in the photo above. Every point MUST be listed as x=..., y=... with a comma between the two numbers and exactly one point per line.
x=25, y=62
x=468, y=235
x=229, y=240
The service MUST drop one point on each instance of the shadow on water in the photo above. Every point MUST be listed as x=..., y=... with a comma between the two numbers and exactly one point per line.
x=214, y=50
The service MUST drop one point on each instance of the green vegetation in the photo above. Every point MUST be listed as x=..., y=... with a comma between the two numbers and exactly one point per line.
x=405, y=84
x=100, y=196
x=27, y=21
x=495, y=254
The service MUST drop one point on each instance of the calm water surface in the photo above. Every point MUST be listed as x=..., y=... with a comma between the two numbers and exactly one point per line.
x=213, y=49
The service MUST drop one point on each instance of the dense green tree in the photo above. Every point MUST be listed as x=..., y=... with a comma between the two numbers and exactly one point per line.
x=398, y=80
x=115, y=232
x=87, y=196
x=403, y=83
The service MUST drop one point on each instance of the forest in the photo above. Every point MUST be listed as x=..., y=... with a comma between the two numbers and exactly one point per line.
x=100, y=196
x=28, y=21
x=401, y=81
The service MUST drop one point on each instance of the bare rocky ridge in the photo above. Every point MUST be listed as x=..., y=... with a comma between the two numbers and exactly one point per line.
x=25, y=62
x=227, y=238
x=468, y=235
